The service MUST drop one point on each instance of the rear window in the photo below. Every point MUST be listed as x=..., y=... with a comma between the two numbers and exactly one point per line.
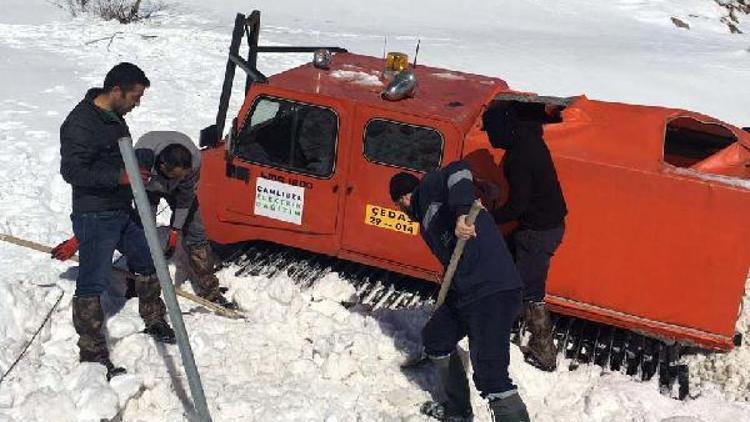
x=689, y=141
x=402, y=145
x=290, y=135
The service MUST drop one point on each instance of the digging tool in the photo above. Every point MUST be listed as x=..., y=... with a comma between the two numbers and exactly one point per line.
x=457, y=252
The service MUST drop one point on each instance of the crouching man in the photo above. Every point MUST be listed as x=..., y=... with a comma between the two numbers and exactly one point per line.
x=103, y=217
x=174, y=163
x=171, y=163
x=482, y=303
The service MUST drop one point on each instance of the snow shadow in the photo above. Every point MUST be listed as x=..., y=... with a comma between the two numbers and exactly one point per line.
x=177, y=382
x=404, y=327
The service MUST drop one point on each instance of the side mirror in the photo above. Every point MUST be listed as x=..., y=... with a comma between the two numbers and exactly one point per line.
x=746, y=129
x=233, y=132
x=209, y=137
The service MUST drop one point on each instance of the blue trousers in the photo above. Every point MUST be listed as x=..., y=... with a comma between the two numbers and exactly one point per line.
x=488, y=322
x=99, y=234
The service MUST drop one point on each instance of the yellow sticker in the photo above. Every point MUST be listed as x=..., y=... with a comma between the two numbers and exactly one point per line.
x=390, y=219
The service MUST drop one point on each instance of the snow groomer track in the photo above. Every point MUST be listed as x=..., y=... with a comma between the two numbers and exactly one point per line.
x=579, y=342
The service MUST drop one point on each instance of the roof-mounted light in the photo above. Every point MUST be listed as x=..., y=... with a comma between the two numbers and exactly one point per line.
x=322, y=58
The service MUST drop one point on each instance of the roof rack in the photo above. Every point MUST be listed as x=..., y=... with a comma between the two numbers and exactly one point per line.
x=246, y=27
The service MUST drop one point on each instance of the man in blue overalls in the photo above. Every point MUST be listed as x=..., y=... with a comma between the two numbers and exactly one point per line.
x=482, y=303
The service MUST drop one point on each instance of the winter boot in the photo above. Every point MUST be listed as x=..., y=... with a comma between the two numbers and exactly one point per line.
x=152, y=308
x=457, y=407
x=509, y=408
x=540, y=351
x=88, y=319
x=130, y=288
x=202, y=263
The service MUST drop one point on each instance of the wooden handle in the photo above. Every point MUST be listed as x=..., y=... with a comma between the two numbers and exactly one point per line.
x=457, y=252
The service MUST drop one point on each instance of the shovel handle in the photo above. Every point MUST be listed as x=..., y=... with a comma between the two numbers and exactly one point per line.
x=457, y=252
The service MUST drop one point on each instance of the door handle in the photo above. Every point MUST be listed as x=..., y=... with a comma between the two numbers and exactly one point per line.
x=349, y=189
x=335, y=188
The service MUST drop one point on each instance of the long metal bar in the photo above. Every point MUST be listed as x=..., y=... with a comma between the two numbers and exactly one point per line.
x=226, y=89
x=292, y=49
x=253, y=74
x=175, y=315
x=252, y=31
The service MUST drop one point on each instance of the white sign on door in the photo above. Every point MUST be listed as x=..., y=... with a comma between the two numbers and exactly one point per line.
x=279, y=201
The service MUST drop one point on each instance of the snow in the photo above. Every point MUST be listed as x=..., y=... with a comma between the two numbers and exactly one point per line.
x=357, y=77
x=300, y=355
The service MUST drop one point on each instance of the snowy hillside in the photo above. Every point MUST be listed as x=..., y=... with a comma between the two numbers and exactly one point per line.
x=301, y=356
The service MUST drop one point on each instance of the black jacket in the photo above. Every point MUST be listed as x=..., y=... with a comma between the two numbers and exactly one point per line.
x=486, y=266
x=535, y=199
x=90, y=157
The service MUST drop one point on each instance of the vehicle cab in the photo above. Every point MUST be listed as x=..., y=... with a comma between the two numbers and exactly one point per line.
x=310, y=155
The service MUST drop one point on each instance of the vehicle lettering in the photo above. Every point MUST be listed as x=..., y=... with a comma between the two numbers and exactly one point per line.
x=289, y=181
x=390, y=219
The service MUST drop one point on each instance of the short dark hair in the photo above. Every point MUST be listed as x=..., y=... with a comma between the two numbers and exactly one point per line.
x=126, y=76
x=401, y=184
x=175, y=155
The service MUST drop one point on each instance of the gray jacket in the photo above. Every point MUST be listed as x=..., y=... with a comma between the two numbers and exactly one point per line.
x=180, y=194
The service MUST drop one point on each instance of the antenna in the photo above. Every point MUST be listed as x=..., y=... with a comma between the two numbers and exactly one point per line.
x=385, y=45
x=416, y=53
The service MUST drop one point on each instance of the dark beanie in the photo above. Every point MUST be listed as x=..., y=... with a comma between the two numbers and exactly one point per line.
x=402, y=184
x=500, y=121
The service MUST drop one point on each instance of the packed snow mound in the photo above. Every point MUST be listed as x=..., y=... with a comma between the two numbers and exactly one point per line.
x=728, y=373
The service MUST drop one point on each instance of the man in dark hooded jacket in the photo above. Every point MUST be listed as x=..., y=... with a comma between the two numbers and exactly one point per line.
x=536, y=201
x=103, y=217
x=483, y=300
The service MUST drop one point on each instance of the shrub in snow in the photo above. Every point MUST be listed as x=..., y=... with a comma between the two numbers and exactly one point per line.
x=123, y=11
x=735, y=8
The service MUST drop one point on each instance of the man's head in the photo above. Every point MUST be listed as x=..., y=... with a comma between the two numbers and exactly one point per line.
x=175, y=162
x=500, y=121
x=401, y=187
x=124, y=86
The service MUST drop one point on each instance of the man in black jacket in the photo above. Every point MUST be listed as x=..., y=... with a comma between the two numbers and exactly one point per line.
x=103, y=217
x=483, y=300
x=536, y=201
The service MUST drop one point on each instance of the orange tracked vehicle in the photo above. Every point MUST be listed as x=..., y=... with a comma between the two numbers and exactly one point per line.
x=656, y=240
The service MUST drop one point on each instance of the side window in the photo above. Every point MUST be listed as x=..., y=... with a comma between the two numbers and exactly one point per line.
x=291, y=135
x=403, y=145
x=689, y=141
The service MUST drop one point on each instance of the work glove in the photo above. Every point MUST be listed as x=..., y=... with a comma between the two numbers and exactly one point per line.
x=174, y=234
x=65, y=250
x=144, y=172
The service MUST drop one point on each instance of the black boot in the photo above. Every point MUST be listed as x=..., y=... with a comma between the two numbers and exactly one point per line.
x=88, y=319
x=130, y=288
x=541, y=351
x=509, y=409
x=161, y=332
x=152, y=309
x=457, y=407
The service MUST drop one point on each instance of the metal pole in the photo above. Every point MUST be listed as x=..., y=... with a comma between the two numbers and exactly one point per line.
x=175, y=315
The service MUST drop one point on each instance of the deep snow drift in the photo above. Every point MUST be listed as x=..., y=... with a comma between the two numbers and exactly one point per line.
x=300, y=356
